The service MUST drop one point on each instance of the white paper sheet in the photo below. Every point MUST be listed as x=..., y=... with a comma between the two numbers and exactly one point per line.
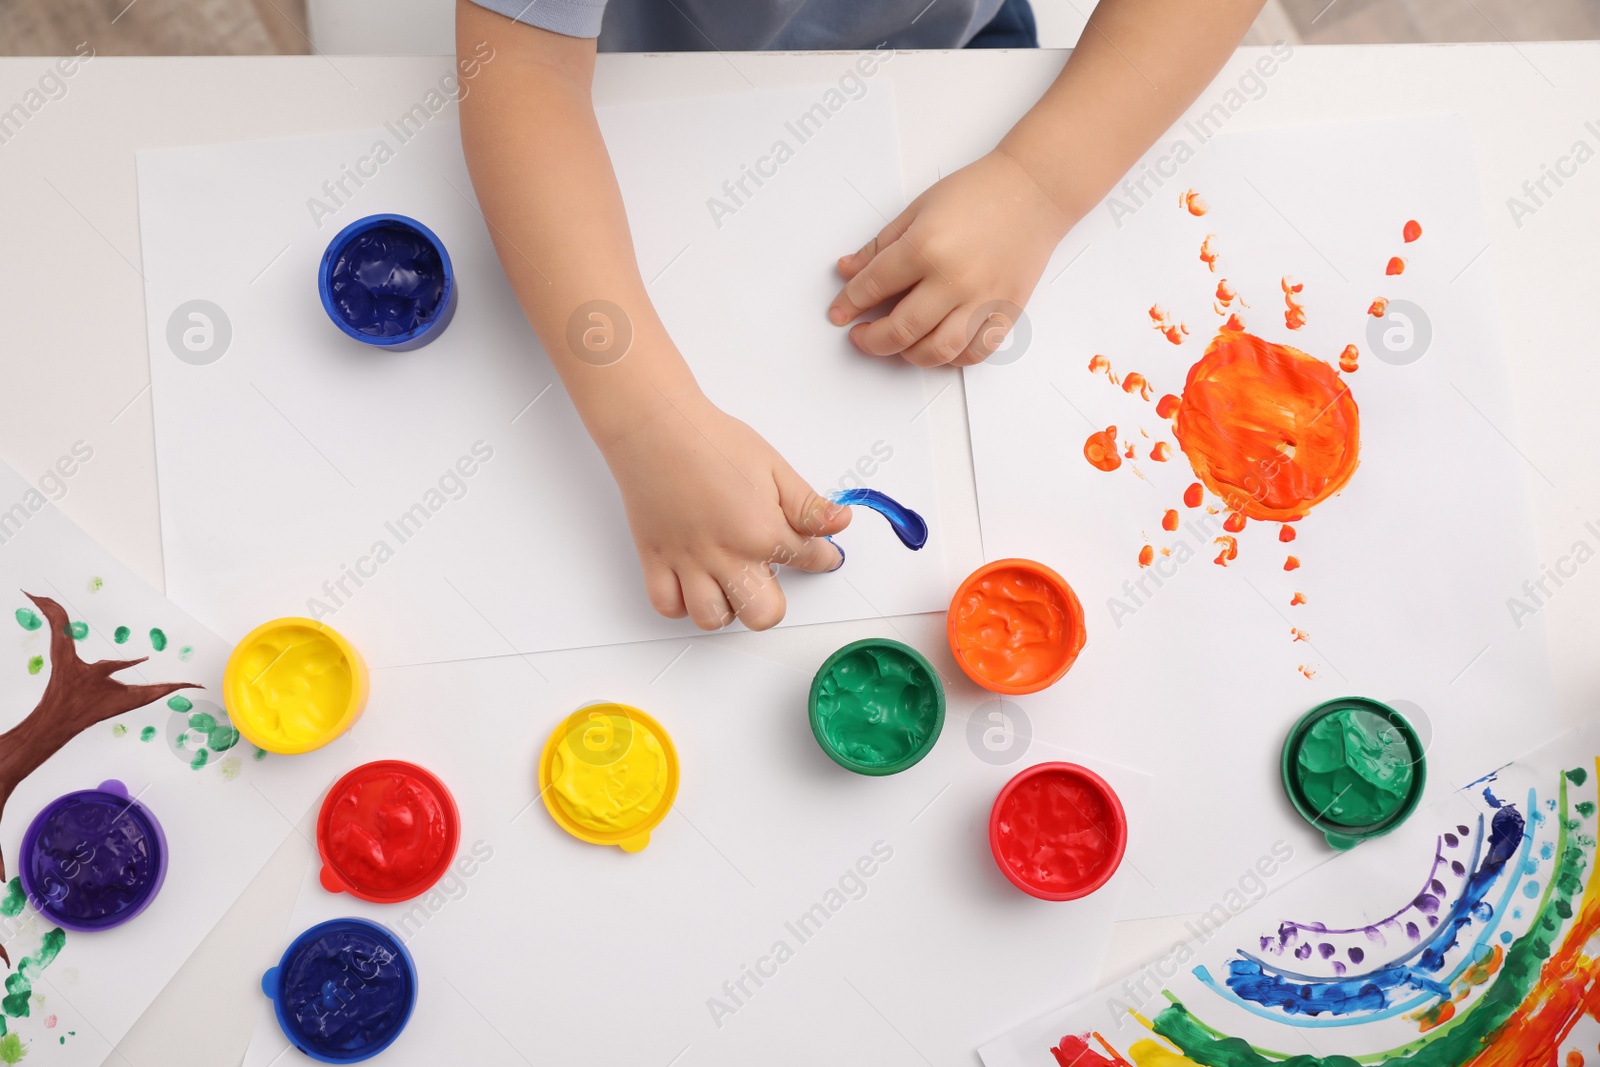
x=222, y=818
x=563, y=952
x=1420, y=947
x=1406, y=574
x=287, y=461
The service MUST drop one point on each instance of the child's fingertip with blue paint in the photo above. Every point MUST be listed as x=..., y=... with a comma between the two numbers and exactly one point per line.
x=838, y=546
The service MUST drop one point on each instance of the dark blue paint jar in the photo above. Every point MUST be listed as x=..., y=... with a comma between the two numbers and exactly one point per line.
x=343, y=990
x=93, y=859
x=386, y=280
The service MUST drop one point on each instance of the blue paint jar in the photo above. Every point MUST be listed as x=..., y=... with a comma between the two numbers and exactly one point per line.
x=93, y=859
x=343, y=990
x=386, y=281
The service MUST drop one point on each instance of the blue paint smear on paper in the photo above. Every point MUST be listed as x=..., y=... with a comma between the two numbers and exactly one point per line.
x=907, y=524
x=1302, y=1000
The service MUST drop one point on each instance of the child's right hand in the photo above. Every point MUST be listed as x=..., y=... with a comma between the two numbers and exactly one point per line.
x=714, y=509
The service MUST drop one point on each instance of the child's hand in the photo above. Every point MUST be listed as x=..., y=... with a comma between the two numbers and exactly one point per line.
x=974, y=242
x=714, y=509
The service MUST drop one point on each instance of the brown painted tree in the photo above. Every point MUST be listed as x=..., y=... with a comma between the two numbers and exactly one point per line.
x=77, y=696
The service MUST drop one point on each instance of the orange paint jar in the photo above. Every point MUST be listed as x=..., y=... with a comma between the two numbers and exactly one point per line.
x=1015, y=626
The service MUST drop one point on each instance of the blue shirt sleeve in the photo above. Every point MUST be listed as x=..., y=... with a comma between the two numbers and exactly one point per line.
x=570, y=18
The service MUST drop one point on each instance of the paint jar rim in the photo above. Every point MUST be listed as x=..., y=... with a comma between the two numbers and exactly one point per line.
x=272, y=984
x=400, y=342
x=251, y=730
x=336, y=880
x=875, y=770
x=1339, y=835
x=1119, y=819
x=634, y=838
x=1071, y=646
x=117, y=791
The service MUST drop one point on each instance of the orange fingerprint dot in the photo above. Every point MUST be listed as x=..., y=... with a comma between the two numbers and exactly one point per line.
x=1169, y=521
x=1146, y=554
x=1128, y=450
x=1290, y=285
x=1309, y=673
x=1268, y=426
x=1208, y=256
x=1347, y=359
x=1191, y=200
x=1286, y=533
x=1574, y=1058
x=1396, y=266
x=1230, y=550
x=1412, y=231
x=1160, y=451
x=1292, y=563
x=1299, y=634
x=1234, y=523
x=1167, y=406
x=1101, y=449
x=1136, y=381
x=1234, y=323
x=1378, y=308
x=1294, y=318
x=1225, y=293
x=1297, y=599
x=1192, y=496
x=1175, y=333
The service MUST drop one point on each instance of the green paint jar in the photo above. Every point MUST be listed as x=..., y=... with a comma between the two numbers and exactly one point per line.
x=876, y=706
x=1354, y=768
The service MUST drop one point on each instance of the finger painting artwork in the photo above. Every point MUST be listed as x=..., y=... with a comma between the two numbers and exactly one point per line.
x=131, y=811
x=1467, y=939
x=1263, y=424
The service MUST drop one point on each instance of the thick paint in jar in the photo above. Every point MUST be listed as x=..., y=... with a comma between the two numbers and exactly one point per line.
x=876, y=706
x=343, y=991
x=386, y=280
x=387, y=832
x=1354, y=768
x=293, y=685
x=1015, y=626
x=93, y=859
x=609, y=775
x=1058, y=831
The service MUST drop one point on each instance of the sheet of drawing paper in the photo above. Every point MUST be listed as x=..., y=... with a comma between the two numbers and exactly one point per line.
x=224, y=806
x=446, y=502
x=565, y=952
x=1255, y=530
x=1467, y=936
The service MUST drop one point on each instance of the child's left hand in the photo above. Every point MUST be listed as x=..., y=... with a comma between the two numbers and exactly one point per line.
x=981, y=236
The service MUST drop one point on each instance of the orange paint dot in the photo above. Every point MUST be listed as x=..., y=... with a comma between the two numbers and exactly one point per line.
x=1292, y=563
x=1412, y=231
x=1299, y=634
x=1136, y=381
x=1290, y=285
x=1234, y=323
x=1175, y=334
x=1167, y=406
x=1347, y=359
x=1208, y=256
x=1234, y=523
x=1169, y=521
x=1163, y=325
x=1286, y=533
x=1294, y=318
x=1396, y=266
x=1297, y=600
x=1225, y=293
x=1128, y=450
x=1191, y=200
x=1101, y=449
x=1309, y=673
x=1378, y=308
x=1192, y=496
x=1146, y=554
x=1230, y=550
x=1160, y=451
x=1268, y=426
x=1574, y=1058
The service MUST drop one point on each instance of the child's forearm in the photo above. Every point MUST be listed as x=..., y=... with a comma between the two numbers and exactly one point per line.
x=1138, y=65
x=550, y=197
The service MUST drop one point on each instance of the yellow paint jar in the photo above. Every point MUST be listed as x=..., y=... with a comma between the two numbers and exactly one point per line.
x=292, y=685
x=608, y=775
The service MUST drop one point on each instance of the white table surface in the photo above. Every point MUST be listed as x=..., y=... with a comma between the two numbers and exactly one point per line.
x=75, y=367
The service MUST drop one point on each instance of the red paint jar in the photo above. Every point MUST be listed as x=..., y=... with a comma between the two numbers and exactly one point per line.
x=1058, y=831
x=387, y=832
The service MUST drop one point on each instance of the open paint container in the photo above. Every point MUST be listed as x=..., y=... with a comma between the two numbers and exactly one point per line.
x=343, y=990
x=386, y=281
x=1057, y=831
x=387, y=832
x=876, y=706
x=608, y=775
x=1015, y=626
x=93, y=859
x=293, y=685
x=1354, y=768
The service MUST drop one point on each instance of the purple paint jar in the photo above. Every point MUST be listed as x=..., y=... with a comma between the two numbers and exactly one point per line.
x=93, y=859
